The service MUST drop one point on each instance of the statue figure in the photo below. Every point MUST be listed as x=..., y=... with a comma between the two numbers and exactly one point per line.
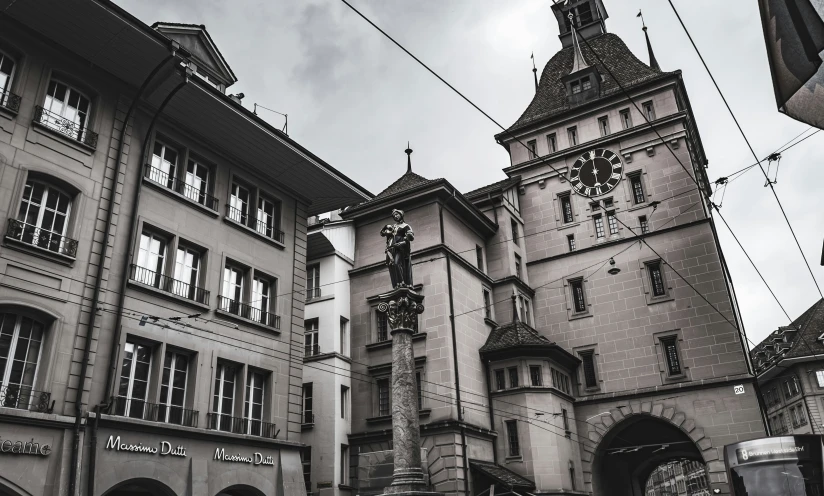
x=399, y=238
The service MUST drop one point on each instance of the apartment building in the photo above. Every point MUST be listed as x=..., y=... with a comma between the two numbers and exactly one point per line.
x=153, y=265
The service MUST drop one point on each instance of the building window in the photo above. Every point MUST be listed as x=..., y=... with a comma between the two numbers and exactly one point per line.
x=313, y=281
x=819, y=377
x=798, y=416
x=573, y=136
x=500, y=380
x=599, y=226
x=637, y=186
x=642, y=221
x=6, y=74
x=512, y=436
x=306, y=462
x=344, y=402
x=344, y=464
x=310, y=337
x=532, y=147
x=560, y=381
x=575, y=86
x=383, y=326
x=588, y=363
x=603, y=125
x=187, y=272
x=44, y=215
x=164, y=164
x=263, y=303
x=253, y=405
x=344, y=336
x=196, y=183
x=649, y=110
x=308, y=403
x=535, y=375
x=607, y=203
x=552, y=143
x=238, y=209
x=487, y=304
x=579, y=303
x=670, y=348
x=566, y=208
x=173, y=388
x=518, y=266
x=66, y=111
x=791, y=388
x=268, y=218
x=626, y=119
x=479, y=255
x=612, y=222
x=383, y=397
x=514, y=225
x=419, y=388
x=233, y=289
x=523, y=308
x=134, y=380
x=513, y=377
x=20, y=341
x=571, y=242
x=586, y=84
x=656, y=279
x=223, y=401
x=572, y=474
x=565, y=419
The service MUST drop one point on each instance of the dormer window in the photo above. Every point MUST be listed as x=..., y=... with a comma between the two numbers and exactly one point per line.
x=581, y=15
x=586, y=84
x=576, y=87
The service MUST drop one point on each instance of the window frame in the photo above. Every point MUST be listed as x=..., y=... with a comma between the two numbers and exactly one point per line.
x=625, y=118
x=66, y=245
x=589, y=355
x=637, y=188
x=218, y=396
x=649, y=110
x=254, y=377
x=552, y=142
x=379, y=397
x=819, y=377
x=512, y=377
x=7, y=90
x=344, y=402
x=566, y=208
x=532, y=149
x=344, y=337
x=518, y=266
x=311, y=332
x=86, y=128
x=672, y=356
x=572, y=136
x=647, y=266
x=536, y=378
x=6, y=371
x=598, y=227
x=166, y=402
x=513, y=225
x=513, y=440
x=486, y=294
x=643, y=224
x=571, y=242
x=603, y=125
x=578, y=299
x=500, y=379
x=612, y=223
x=479, y=255
x=307, y=403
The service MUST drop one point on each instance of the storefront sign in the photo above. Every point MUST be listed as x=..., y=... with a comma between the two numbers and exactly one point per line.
x=165, y=447
x=27, y=448
x=256, y=459
x=770, y=452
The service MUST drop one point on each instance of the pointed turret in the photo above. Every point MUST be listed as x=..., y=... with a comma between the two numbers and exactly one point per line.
x=579, y=63
x=408, y=153
x=653, y=63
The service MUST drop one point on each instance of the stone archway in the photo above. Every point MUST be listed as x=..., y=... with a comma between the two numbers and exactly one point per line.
x=241, y=490
x=140, y=487
x=605, y=465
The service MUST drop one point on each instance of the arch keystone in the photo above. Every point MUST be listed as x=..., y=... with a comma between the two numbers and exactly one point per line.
x=657, y=409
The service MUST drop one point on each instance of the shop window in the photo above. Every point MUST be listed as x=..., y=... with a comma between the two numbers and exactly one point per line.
x=134, y=380
x=43, y=218
x=21, y=338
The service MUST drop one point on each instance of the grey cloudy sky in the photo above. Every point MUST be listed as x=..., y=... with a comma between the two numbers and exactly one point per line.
x=355, y=99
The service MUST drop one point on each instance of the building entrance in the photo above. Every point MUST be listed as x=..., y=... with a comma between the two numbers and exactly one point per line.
x=240, y=490
x=140, y=487
x=635, y=449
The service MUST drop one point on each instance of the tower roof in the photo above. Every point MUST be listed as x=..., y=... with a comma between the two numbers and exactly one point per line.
x=551, y=97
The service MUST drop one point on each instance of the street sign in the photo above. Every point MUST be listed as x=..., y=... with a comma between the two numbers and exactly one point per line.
x=739, y=389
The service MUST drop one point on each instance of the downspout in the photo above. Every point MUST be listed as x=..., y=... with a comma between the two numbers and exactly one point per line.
x=98, y=281
x=118, y=323
x=455, y=352
x=491, y=412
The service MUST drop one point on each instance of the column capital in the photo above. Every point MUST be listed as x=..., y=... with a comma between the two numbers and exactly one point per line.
x=401, y=306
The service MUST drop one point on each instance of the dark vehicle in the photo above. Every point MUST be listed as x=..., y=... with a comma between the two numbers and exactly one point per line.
x=776, y=466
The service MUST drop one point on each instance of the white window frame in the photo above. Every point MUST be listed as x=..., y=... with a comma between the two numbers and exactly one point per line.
x=130, y=387
x=220, y=395
x=232, y=289
x=306, y=399
x=196, y=186
x=310, y=337
x=161, y=165
x=268, y=224
x=145, y=254
x=262, y=298
x=239, y=207
x=15, y=342
x=167, y=401
x=255, y=380
x=42, y=208
x=5, y=89
x=188, y=266
x=62, y=112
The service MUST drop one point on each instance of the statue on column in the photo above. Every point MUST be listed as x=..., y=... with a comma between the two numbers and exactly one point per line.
x=399, y=238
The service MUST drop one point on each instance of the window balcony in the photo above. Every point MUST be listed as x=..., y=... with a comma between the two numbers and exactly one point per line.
x=248, y=312
x=310, y=350
x=41, y=238
x=258, y=226
x=153, y=412
x=9, y=101
x=239, y=425
x=65, y=127
x=308, y=417
x=312, y=293
x=172, y=183
x=166, y=284
x=25, y=398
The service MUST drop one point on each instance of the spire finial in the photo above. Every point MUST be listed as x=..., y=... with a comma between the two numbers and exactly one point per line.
x=653, y=63
x=514, y=306
x=578, y=60
x=408, y=153
x=534, y=71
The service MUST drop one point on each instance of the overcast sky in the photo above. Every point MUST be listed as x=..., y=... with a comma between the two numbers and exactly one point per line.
x=355, y=99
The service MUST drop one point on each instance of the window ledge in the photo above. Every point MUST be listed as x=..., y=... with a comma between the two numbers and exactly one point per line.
x=490, y=322
x=638, y=206
x=320, y=299
x=568, y=225
x=174, y=194
x=247, y=229
x=39, y=252
x=307, y=426
x=7, y=112
x=425, y=412
x=388, y=343
x=580, y=315
x=51, y=133
x=514, y=459
x=345, y=487
x=244, y=320
x=169, y=296
x=652, y=300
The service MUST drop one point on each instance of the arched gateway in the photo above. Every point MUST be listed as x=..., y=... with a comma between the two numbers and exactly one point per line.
x=628, y=444
x=140, y=487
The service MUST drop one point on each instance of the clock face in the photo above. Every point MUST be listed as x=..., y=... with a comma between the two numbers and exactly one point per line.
x=596, y=172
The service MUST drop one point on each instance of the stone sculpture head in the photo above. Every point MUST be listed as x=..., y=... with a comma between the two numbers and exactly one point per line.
x=397, y=215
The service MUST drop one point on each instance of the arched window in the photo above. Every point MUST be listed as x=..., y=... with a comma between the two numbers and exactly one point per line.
x=21, y=337
x=6, y=74
x=43, y=218
x=66, y=110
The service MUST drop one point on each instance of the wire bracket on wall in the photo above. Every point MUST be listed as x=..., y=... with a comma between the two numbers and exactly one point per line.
x=720, y=185
x=774, y=157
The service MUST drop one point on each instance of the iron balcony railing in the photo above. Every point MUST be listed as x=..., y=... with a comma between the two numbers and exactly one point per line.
x=311, y=349
x=313, y=293
x=154, y=412
x=308, y=417
x=42, y=238
x=67, y=127
x=248, y=312
x=170, y=182
x=25, y=398
x=169, y=285
x=239, y=425
x=248, y=220
x=10, y=101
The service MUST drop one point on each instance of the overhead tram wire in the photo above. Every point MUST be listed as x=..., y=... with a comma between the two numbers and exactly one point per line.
x=747, y=141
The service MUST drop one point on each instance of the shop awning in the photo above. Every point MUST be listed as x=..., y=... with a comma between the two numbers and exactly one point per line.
x=502, y=475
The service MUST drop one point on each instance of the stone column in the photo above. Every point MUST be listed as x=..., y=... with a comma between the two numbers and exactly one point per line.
x=402, y=306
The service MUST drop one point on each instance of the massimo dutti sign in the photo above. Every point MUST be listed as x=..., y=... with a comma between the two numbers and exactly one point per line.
x=164, y=448
x=256, y=459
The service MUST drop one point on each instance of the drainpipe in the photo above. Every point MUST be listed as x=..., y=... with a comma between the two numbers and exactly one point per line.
x=98, y=282
x=455, y=352
x=491, y=411
x=93, y=447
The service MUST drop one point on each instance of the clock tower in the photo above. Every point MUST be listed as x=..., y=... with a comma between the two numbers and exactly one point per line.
x=629, y=278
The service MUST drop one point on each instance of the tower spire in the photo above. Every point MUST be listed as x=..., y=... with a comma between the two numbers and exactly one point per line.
x=534, y=71
x=653, y=63
x=408, y=153
x=578, y=61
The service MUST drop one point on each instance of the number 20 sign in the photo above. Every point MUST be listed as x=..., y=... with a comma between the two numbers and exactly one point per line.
x=739, y=389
